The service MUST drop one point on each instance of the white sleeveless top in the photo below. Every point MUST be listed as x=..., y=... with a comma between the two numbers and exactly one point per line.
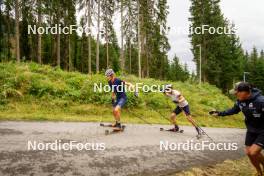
x=175, y=96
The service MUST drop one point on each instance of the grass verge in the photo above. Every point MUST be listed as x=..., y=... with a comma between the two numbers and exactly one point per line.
x=29, y=91
x=240, y=167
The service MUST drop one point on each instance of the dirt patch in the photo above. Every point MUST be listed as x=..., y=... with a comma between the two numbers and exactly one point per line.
x=229, y=167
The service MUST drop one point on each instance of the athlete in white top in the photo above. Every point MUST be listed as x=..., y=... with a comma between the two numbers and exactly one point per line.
x=182, y=105
x=177, y=98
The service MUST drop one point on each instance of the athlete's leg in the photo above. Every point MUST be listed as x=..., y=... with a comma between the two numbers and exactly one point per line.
x=260, y=142
x=175, y=112
x=261, y=160
x=117, y=113
x=252, y=138
x=251, y=159
x=253, y=152
x=173, y=118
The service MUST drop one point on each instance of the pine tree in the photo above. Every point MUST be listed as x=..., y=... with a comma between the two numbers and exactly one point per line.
x=27, y=41
x=1, y=31
x=261, y=54
x=98, y=35
x=177, y=72
x=8, y=23
x=88, y=6
x=256, y=69
x=153, y=41
x=222, y=55
x=108, y=9
x=130, y=34
x=17, y=11
x=253, y=58
x=39, y=12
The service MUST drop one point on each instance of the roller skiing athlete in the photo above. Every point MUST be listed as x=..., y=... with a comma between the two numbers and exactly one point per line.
x=181, y=105
x=119, y=97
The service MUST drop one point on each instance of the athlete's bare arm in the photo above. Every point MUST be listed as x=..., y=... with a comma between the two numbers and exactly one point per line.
x=181, y=98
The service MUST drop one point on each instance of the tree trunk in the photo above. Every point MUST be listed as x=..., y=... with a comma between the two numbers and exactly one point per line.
x=39, y=35
x=106, y=38
x=98, y=38
x=130, y=58
x=107, y=50
x=89, y=38
x=139, y=41
x=122, y=60
x=1, y=33
x=58, y=50
x=8, y=35
x=70, y=57
x=17, y=30
x=130, y=36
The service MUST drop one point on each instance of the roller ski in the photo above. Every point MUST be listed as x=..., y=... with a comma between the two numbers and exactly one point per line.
x=115, y=130
x=106, y=125
x=110, y=125
x=174, y=130
x=115, y=125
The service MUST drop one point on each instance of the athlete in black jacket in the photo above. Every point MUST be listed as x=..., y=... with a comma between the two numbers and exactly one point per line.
x=251, y=103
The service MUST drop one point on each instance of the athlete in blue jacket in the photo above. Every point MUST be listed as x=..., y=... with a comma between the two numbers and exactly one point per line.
x=119, y=97
x=251, y=102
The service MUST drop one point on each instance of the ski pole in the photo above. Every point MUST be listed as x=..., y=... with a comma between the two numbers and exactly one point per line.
x=197, y=126
x=100, y=123
x=139, y=117
x=162, y=115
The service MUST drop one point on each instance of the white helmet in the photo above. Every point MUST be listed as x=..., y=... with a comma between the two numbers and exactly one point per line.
x=109, y=72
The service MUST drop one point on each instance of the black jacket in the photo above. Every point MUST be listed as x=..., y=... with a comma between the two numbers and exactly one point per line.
x=253, y=110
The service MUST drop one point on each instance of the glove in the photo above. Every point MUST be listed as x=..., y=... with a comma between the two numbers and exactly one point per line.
x=113, y=101
x=136, y=94
x=174, y=101
x=214, y=113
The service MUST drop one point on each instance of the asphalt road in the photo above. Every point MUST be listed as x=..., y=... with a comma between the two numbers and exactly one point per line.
x=136, y=151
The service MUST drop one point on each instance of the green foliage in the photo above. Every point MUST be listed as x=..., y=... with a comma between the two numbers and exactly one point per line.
x=18, y=80
x=255, y=67
x=222, y=54
x=177, y=72
x=29, y=91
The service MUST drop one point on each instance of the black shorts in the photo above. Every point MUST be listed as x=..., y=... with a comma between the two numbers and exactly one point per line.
x=186, y=110
x=254, y=138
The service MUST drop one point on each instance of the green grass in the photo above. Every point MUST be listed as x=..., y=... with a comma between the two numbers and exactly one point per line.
x=240, y=167
x=29, y=91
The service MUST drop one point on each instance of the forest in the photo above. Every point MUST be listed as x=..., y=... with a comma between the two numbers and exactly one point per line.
x=143, y=47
